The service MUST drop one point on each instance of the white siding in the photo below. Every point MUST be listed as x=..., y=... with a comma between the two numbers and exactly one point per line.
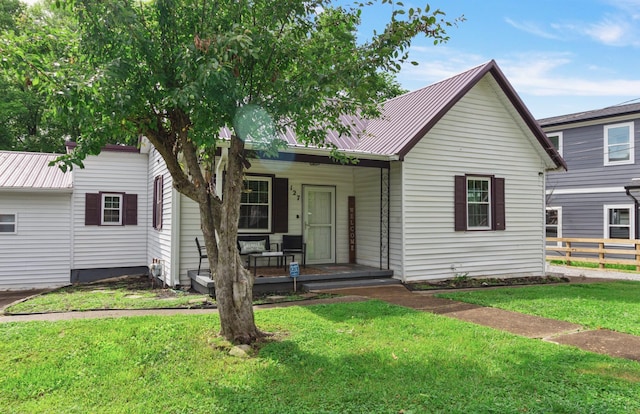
x=111, y=246
x=367, y=191
x=159, y=241
x=477, y=136
x=396, y=220
x=299, y=174
x=38, y=255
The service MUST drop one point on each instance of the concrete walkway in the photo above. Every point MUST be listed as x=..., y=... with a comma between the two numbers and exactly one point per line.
x=601, y=341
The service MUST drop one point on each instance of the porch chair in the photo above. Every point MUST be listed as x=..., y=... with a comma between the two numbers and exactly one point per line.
x=292, y=244
x=202, y=256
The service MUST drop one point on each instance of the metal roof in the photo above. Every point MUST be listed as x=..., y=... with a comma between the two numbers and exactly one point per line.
x=607, y=112
x=31, y=171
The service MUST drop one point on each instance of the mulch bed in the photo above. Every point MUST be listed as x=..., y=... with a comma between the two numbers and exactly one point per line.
x=464, y=282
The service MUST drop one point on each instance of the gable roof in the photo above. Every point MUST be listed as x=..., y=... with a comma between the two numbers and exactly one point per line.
x=30, y=171
x=406, y=119
x=595, y=114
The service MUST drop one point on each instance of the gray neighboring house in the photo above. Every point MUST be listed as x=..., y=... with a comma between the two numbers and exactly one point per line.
x=599, y=148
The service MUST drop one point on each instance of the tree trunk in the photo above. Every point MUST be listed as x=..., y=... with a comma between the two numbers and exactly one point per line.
x=233, y=283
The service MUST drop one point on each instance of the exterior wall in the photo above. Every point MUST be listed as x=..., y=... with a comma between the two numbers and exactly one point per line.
x=589, y=185
x=367, y=193
x=159, y=241
x=584, y=154
x=111, y=247
x=479, y=135
x=38, y=255
x=298, y=174
x=583, y=214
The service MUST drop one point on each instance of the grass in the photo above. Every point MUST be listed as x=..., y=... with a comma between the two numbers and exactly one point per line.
x=611, y=305
x=128, y=294
x=591, y=265
x=367, y=357
x=88, y=297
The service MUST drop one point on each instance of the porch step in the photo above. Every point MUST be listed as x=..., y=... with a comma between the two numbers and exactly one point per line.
x=201, y=284
x=340, y=284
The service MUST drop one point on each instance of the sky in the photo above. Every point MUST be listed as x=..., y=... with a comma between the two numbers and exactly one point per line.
x=562, y=56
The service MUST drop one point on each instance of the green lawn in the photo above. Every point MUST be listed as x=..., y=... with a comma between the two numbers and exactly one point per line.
x=87, y=297
x=612, y=305
x=367, y=357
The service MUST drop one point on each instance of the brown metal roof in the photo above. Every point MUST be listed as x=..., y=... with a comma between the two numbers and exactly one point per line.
x=608, y=112
x=406, y=119
x=31, y=171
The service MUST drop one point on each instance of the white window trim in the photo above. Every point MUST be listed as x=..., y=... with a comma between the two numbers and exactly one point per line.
x=631, y=159
x=560, y=148
x=15, y=223
x=270, y=196
x=632, y=221
x=559, y=225
x=489, y=203
x=102, y=209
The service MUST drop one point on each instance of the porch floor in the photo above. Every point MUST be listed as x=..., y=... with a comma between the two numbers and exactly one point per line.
x=333, y=275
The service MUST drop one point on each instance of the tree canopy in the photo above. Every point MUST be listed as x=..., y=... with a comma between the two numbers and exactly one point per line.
x=180, y=71
x=37, y=45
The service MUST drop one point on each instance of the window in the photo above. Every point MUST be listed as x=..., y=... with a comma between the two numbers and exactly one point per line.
x=619, y=144
x=479, y=203
x=255, y=204
x=619, y=222
x=8, y=223
x=556, y=140
x=158, y=194
x=553, y=224
x=111, y=209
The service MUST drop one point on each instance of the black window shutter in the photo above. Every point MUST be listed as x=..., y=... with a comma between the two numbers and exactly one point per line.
x=460, y=203
x=498, y=204
x=130, y=210
x=280, y=206
x=92, y=209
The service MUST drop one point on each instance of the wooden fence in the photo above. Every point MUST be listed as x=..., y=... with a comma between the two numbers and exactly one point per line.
x=600, y=251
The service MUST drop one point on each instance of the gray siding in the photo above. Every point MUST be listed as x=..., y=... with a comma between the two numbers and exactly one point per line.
x=583, y=150
x=583, y=214
x=589, y=185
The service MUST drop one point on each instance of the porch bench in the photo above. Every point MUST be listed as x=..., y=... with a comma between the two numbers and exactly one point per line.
x=255, y=243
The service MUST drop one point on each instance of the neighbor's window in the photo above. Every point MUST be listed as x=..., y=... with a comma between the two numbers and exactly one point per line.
x=619, y=144
x=556, y=140
x=619, y=222
x=255, y=204
x=553, y=225
x=8, y=223
x=111, y=209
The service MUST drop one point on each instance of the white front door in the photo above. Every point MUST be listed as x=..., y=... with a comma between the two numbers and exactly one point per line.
x=319, y=213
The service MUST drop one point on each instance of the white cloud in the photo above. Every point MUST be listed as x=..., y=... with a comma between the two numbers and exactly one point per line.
x=535, y=74
x=539, y=75
x=532, y=28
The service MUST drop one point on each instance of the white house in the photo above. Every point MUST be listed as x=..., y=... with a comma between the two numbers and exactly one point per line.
x=451, y=180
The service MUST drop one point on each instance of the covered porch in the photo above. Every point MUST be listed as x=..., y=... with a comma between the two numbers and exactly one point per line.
x=313, y=277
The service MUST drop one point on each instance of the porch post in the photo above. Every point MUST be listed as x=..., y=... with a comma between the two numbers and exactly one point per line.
x=384, y=217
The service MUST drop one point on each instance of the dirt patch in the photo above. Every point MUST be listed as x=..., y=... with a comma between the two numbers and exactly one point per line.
x=465, y=282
